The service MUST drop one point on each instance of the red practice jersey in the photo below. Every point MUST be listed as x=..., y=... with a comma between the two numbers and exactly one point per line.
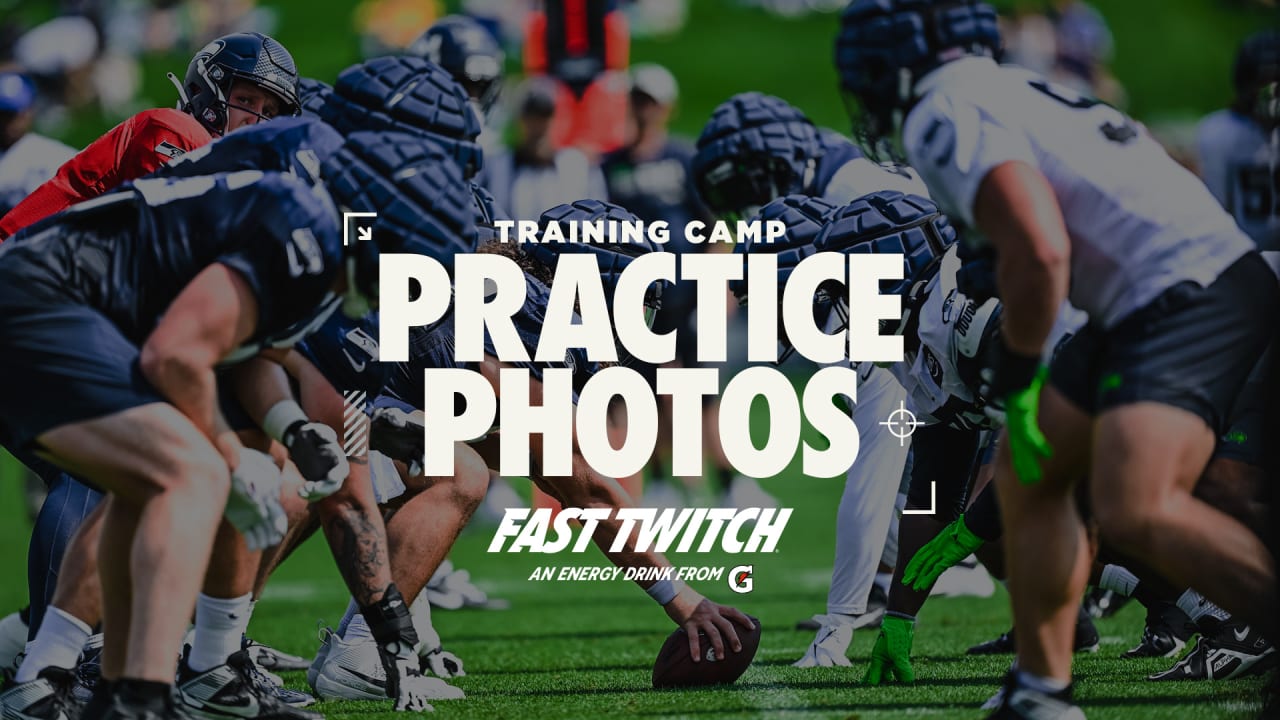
x=128, y=151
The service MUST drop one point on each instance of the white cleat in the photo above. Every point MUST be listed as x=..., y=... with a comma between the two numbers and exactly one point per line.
x=967, y=579
x=353, y=671
x=313, y=671
x=662, y=495
x=13, y=640
x=451, y=589
x=830, y=647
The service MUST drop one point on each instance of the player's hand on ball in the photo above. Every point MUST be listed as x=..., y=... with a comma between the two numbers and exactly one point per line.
x=315, y=449
x=952, y=545
x=253, y=506
x=716, y=621
x=891, y=656
x=443, y=663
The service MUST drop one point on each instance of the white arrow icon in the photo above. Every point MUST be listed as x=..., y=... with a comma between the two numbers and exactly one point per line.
x=364, y=233
x=363, y=230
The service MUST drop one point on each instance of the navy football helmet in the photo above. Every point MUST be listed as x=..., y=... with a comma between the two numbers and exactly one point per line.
x=254, y=57
x=422, y=203
x=755, y=148
x=885, y=46
x=613, y=258
x=1257, y=75
x=890, y=222
x=469, y=53
x=312, y=94
x=407, y=95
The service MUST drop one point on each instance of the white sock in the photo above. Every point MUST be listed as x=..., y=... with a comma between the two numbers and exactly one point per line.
x=357, y=630
x=883, y=581
x=219, y=624
x=57, y=644
x=353, y=611
x=1045, y=685
x=1197, y=606
x=1118, y=579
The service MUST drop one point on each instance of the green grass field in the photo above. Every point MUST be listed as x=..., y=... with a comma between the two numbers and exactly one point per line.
x=577, y=650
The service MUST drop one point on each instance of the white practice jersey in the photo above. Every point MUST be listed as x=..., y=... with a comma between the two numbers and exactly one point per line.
x=27, y=165
x=1241, y=167
x=940, y=375
x=860, y=177
x=1138, y=221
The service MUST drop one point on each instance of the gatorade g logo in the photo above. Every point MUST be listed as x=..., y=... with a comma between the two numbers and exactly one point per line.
x=740, y=580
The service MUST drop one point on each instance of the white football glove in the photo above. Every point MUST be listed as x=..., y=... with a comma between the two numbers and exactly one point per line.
x=443, y=663
x=253, y=506
x=315, y=449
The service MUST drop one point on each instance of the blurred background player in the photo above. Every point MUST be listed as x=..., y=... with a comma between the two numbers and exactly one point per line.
x=537, y=173
x=27, y=159
x=584, y=47
x=470, y=53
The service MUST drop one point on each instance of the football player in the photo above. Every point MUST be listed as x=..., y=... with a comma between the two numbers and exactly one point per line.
x=756, y=148
x=1070, y=193
x=233, y=82
x=26, y=158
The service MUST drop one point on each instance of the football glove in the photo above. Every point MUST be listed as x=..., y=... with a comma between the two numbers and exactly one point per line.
x=1011, y=386
x=399, y=435
x=952, y=545
x=315, y=449
x=891, y=656
x=253, y=506
x=442, y=663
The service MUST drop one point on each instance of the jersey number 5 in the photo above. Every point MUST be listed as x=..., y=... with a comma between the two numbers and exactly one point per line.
x=1117, y=127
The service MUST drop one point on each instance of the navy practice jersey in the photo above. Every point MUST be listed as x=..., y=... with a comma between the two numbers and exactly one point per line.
x=130, y=253
x=345, y=351
x=296, y=145
x=657, y=188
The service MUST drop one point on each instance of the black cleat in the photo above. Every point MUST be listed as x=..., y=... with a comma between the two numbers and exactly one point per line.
x=1086, y=640
x=1230, y=650
x=1165, y=635
x=229, y=692
x=48, y=697
x=118, y=710
x=1020, y=703
x=877, y=601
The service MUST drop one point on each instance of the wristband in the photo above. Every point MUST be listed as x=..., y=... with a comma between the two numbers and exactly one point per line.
x=1013, y=370
x=664, y=591
x=283, y=420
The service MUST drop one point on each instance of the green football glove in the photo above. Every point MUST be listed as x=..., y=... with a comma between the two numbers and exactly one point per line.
x=952, y=545
x=891, y=656
x=1027, y=444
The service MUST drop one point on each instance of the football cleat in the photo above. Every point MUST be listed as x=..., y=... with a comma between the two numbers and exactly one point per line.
x=1101, y=603
x=48, y=697
x=313, y=670
x=271, y=684
x=965, y=579
x=831, y=646
x=354, y=671
x=89, y=669
x=269, y=658
x=1086, y=640
x=1231, y=650
x=116, y=709
x=13, y=638
x=1165, y=634
x=745, y=492
x=231, y=691
x=1021, y=703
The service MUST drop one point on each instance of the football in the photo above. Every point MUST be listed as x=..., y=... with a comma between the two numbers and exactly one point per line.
x=675, y=666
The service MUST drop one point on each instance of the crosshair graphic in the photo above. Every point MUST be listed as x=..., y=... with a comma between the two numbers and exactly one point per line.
x=901, y=423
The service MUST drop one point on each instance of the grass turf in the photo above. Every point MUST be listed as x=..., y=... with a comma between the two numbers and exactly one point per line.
x=585, y=650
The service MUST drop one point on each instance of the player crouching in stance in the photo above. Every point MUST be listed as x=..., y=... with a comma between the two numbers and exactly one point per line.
x=235, y=262
x=1075, y=199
